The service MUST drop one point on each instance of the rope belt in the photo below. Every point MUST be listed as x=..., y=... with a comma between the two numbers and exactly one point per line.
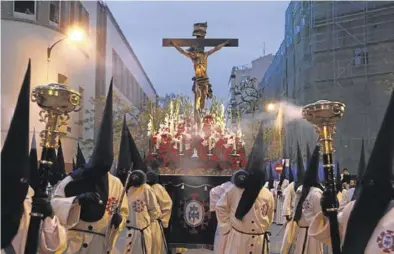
x=266, y=240
x=143, y=244
x=305, y=238
x=163, y=235
x=87, y=231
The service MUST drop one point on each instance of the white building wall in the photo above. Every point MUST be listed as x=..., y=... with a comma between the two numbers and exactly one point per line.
x=21, y=41
x=116, y=42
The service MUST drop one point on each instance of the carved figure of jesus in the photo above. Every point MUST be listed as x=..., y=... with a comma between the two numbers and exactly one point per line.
x=201, y=86
x=199, y=57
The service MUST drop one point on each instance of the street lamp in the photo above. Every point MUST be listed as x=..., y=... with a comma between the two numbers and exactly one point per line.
x=74, y=34
x=271, y=107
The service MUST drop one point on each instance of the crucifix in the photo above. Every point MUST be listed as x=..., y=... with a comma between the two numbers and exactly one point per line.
x=202, y=89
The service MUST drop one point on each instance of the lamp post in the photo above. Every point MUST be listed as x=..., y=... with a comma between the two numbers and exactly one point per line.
x=74, y=35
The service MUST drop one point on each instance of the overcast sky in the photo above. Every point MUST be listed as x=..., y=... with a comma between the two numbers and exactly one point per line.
x=146, y=23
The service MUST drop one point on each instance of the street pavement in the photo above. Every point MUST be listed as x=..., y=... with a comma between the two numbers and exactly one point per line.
x=275, y=242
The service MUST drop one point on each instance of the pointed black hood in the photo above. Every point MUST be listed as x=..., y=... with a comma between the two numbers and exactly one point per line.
x=291, y=176
x=15, y=165
x=124, y=158
x=310, y=180
x=300, y=169
x=308, y=152
x=270, y=177
x=256, y=179
x=94, y=176
x=283, y=174
x=80, y=158
x=33, y=157
x=376, y=190
x=360, y=172
x=103, y=152
x=58, y=169
x=338, y=177
x=138, y=163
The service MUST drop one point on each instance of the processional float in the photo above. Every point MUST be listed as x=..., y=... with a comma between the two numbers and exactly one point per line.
x=56, y=102
x=195, y=149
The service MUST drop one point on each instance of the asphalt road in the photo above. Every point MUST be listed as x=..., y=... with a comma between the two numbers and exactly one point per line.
x=275, y=242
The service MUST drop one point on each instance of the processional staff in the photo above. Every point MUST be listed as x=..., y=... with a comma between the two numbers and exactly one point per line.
x=56, y=102
x=324, y=115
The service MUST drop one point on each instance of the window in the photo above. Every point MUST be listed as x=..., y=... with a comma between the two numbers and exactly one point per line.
x=62, y=79
x=79, y=16
x=360, y=56
x=25, y=9
x=54, y=12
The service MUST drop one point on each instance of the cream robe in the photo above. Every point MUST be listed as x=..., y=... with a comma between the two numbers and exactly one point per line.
x=256, y=221
x=165, y=204
x=144, y=210
x=52, y=233
x=214, y=195
x=279, y=217
x=346, y=198
x=310, y=208
x=69, y=212
x=381, y=241
x=289, y=205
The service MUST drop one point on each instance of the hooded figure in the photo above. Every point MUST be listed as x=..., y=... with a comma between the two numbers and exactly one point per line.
x=17, y=207
x=371, y=223
x=291, y=174
x=360, y=173
x=139, y=236
x=59, y=166
x=15, y=165
x=164, y=201
x=308, y=152
x=85, y=200
x=300, y=169
x=33, y=157
x=271, y=181
x=279, y=193
x=124, y=157
x=80, y=158
x=73, y=165
x=239, y=179
x=288, y=209
x=242, y=213
x=308, y=206
x=367, y=223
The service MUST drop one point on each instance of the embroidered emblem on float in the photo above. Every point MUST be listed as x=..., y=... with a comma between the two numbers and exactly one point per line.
x=112, y=203
x=386, y=241
x=194, y=213
x=264, y=210
x=138, y=206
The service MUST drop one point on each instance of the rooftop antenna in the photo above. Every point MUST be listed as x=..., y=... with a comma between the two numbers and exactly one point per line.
x=263, y=49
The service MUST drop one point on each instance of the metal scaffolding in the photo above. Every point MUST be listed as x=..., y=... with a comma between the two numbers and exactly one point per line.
x=336, y=50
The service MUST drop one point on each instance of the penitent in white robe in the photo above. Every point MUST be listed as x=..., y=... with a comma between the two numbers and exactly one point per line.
x=279, y=217
x=246, y=236
x=289, y=205
x=165, y=204
x=382, y=238
x=52, y=235
x=136, y=238
x=88, y=237
x=346, y=198
x=310, y=207
x=214, y=195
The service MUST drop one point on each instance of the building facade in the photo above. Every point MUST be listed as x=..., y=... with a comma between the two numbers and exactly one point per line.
x=341, y=51
x=29, y=28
